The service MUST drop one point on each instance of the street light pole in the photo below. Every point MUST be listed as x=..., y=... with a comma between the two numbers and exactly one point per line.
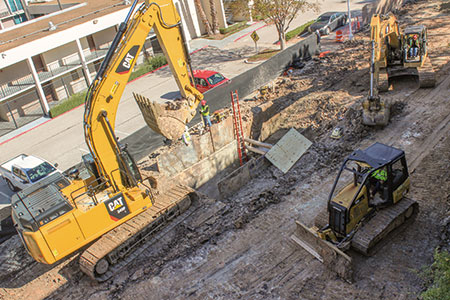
x=350, y=34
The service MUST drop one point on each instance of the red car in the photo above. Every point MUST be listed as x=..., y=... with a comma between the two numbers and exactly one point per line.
x=206, y=80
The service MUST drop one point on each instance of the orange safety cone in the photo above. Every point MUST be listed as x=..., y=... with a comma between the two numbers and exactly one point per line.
x=339, y=36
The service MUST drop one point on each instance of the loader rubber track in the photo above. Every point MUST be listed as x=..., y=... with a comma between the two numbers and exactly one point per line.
x=384, y=221
x=117, y=248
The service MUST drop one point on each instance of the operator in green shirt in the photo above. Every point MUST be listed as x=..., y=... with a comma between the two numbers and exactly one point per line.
x=381, y=176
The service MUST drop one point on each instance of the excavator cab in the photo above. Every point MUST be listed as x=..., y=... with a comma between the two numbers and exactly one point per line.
x=414, y=45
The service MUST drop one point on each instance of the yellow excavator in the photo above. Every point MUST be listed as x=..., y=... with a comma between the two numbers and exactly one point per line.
x=367, y=201
x=394, y=54
x=107, y=207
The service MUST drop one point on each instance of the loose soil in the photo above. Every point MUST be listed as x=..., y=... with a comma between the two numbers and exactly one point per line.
x=242, y=250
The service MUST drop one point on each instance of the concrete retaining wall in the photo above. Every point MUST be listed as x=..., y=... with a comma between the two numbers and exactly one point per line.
x=201, y=172
x=239, y=177
x=201, y=147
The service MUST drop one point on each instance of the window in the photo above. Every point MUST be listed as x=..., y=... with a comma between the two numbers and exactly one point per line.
x=15, y=5
x=202, y=82
x=20, y=174
x=40, y=171
x=16, y=172
x=75, y=75
x=398, y=173
x=216, y=78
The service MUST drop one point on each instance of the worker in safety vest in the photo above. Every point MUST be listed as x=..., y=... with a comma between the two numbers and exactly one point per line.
x=204, y=110
x=381, y=176
x=186, y=136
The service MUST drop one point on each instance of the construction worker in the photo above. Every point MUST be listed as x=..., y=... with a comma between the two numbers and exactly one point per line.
x=381, y=176
x=204, y=110
x=186, y=136
x=413, y=44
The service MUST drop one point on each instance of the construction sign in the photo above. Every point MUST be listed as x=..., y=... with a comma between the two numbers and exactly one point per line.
x=255, y=36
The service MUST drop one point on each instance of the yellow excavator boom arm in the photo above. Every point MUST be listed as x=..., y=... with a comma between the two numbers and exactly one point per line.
x=104, y=94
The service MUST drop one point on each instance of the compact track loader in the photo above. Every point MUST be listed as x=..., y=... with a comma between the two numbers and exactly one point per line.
x=367, y=201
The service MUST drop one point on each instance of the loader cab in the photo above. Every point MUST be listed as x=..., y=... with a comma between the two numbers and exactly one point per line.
x=377, y=176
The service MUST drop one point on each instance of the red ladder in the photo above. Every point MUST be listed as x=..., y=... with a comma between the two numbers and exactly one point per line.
x=238, y=127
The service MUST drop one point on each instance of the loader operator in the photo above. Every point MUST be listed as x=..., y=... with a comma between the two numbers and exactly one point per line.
x=204, y=110
x=413, y=45
x=380, y=176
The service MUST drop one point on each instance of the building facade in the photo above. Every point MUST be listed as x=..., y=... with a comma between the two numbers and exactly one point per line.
x=49, y=58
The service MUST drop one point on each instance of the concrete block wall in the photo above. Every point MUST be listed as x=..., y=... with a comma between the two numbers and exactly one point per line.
x=203, y=158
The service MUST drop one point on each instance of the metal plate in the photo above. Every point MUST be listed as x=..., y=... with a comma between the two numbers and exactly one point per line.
x=288, y=150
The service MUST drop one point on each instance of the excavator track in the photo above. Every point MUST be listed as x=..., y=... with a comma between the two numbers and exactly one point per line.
x=384, y=221
x=427, y=78
x=117, y=248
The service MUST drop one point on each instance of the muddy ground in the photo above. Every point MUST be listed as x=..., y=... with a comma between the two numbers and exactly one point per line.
x=243, y=251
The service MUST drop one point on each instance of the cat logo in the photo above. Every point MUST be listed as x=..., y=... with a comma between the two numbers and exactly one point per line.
x=126, y=63
x=117, y=207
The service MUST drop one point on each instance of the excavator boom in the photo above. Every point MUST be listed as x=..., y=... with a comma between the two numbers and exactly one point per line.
x=104, y=94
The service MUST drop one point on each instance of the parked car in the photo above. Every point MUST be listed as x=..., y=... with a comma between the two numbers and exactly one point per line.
x=25, y=170
x=206, y=80
x=328, y=22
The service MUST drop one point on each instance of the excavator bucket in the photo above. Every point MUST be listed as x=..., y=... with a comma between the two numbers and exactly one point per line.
x=168, y=119
x=376, y=112
x=327, y=253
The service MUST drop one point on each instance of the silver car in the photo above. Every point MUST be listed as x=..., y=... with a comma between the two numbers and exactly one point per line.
x=328, y=22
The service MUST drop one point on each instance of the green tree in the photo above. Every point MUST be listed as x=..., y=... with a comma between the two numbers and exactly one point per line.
x=279, y=12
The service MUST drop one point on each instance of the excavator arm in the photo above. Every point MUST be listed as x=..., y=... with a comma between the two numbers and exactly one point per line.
x=104, y=94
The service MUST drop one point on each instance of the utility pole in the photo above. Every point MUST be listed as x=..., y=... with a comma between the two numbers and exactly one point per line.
x=350, y=34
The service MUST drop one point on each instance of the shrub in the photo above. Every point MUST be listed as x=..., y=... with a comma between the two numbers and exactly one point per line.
x=233, y=28
x=437, y=277
x=68, y=104
x=298, y=31
x=150, y=65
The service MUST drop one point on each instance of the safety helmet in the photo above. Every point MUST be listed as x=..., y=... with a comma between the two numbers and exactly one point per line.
x=203, y=102
x=415, y=36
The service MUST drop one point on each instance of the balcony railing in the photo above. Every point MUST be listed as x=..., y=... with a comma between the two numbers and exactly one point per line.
x=27, y=82
x=4, y=13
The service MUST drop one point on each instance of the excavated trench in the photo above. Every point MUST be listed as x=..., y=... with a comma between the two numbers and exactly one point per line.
x=236, y=246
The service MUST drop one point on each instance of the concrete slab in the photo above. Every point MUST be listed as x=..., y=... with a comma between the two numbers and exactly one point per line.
x=288, y=150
